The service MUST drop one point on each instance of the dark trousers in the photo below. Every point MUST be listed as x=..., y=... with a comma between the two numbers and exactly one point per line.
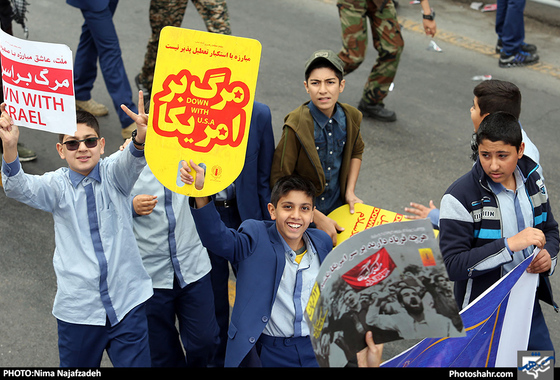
x=99, y=41
x=510, y=25
x=126, y=342
x=193, y=308
x=286, y=352
x=539, y=337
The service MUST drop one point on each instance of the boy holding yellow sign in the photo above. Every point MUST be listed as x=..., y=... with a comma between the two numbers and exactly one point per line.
x=277, y=263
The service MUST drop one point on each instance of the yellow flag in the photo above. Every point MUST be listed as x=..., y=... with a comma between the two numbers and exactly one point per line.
x=201, y=104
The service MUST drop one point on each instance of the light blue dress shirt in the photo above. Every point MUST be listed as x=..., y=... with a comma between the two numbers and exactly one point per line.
x=167, y=238
x=517, y=214
x=287, y=318
x=99, y=271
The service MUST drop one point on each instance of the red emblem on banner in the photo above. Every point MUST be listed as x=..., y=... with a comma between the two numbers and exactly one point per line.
x=201, y=113
x=370, y=271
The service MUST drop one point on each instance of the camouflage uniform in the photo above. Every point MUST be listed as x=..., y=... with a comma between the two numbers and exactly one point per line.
x=163, y=13
x=387, y=40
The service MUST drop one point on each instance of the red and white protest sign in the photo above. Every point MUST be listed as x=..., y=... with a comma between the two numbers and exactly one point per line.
x=38, y=84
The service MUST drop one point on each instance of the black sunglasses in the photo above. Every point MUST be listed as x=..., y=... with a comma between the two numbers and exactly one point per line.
x=91, y=142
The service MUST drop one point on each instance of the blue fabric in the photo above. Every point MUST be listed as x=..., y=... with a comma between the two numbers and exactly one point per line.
x=99, y=41
x=330, y=139
x=171, y=236
x=482, y=256
x=483, y=324
x=193, y=307
x=252, y=188
x=100, y=254
x=257, y=249
x=286, y=352
x=98, y=270
x=168, y=242
x=510, y=25
x=539, y=336
x=126, y=343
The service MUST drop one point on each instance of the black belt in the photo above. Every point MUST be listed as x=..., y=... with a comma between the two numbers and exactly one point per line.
x=226, y=204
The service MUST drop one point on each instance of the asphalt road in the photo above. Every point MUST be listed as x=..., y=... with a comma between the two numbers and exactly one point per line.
x=413, y=159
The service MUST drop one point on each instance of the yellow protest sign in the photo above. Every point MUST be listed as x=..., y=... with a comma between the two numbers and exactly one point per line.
x=364, y=217
x=201, y=104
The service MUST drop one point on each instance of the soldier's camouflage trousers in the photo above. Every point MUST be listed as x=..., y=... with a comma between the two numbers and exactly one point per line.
x=164, y=13
x=387, y=40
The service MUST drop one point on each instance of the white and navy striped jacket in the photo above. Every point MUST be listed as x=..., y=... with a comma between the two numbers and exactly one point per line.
x=471, y=239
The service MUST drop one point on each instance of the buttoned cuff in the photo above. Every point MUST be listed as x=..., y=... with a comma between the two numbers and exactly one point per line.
x=135, y=151
x=12, y=168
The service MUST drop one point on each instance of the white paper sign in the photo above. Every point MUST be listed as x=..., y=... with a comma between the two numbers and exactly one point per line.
x=38, y=84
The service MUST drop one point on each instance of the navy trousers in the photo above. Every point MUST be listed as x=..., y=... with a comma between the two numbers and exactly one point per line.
x=539, y=337
x=126, y=342
x=193, y=308
x=510, y=25
x=99, y=42
x=286, y=352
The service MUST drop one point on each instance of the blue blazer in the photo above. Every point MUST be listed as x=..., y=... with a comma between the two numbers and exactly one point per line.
x=252, y=187
x=257, y=249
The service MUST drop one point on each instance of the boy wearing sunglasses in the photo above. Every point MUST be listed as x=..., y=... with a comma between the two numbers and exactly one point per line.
x=101, y=283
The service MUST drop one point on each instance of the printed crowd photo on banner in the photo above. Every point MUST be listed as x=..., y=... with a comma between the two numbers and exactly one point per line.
x=389, y=279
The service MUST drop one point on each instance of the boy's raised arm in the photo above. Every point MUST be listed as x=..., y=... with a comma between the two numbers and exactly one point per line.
x=9, y=133
x=351, y=197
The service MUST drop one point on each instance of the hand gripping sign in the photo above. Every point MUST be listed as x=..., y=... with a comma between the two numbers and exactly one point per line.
x=202, y=99
x=364, y=217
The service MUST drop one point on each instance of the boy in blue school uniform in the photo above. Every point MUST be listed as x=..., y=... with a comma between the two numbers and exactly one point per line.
x=277, y=264
x=101, y=282
x=495, y=216
x=179, y=266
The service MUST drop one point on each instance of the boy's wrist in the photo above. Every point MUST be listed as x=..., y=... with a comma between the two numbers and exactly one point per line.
x=10, y=152
x=138, y=139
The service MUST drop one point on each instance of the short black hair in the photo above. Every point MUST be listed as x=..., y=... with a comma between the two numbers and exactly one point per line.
x=322, y=63
x=289, y=183
x=498, y=96
x=84, y=117
x=500, y=126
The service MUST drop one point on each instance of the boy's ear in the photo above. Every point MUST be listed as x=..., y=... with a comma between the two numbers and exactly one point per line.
x=102, y=145
x=272, y=211
x=342, y=84
x=521, y=150
x=60, y=150
x=305, y=85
